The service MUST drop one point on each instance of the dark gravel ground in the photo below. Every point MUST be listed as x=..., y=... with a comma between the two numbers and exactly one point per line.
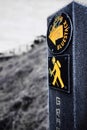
x=24, y=91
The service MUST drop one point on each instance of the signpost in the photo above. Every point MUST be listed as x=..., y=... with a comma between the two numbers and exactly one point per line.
x=67, y=68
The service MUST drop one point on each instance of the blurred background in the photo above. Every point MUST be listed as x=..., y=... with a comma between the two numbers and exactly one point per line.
x=22, y=20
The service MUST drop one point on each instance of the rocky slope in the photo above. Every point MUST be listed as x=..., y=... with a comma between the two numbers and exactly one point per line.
x=24, y=91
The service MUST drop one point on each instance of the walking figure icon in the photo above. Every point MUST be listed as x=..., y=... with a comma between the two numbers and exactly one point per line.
x=59, y=72
x=56, y=73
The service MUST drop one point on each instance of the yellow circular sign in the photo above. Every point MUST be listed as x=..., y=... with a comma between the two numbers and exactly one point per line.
x=59, y=33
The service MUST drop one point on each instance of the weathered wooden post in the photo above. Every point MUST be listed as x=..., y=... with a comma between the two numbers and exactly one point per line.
x=67, y=68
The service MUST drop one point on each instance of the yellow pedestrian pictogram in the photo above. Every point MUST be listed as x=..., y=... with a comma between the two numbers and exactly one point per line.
x=56, y=72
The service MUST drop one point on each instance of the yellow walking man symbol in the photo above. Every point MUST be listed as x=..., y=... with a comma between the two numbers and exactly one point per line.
x=56, y=72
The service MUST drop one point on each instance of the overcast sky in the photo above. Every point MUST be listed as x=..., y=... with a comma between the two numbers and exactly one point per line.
x=22, y=20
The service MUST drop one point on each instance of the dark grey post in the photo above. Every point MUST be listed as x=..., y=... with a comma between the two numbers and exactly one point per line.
x=67, y=68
